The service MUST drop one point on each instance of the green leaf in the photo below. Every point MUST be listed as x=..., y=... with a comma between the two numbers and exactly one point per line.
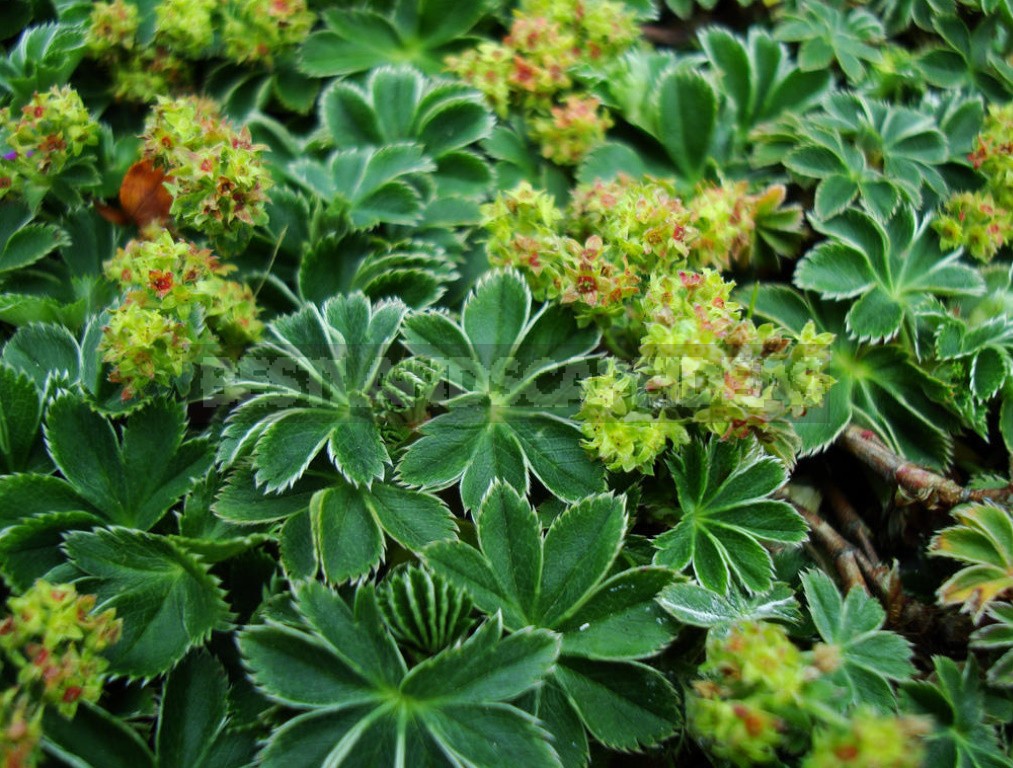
x=893, y=269
x=879, y=387
x=310, y=379
x=394, y=202
x=510, y=536
x=31, y=549
x=870, y=657
x=722, y=487
x=85, y=448
x=423, y=610
x=494, y=317
x=479, y=736
x=579, y=547
x=324, y=737
x=289, y=444
x=23, y=309
x=835, y=270
x=827, y=34
x=193, y=716
x=355, y=445
x=481, y=670
x=348, y=116
x=400, y=104
x=441, y=21
x=411, y=518
x=166, y=598
x=239, y=500
x=876, y=316
x=988, y=372
x=998, y=635
x=43, y=351
x=345, y=526
x=21, y=446
x=347, y=539
x=357, y=40
x=300, y=671
x=700, y=607
x=24, y=495
x=468, y=569
x=686, y=120
x=815, y=162
x=834, y=194
x=132, y=480
x=625, y=705
x=499, y=426
x=891, y=152
x=497, y=455
x=355, y=634
x=555, y=455
x=94, y=739
x=561, y=720
x=621, y=619
x=731, y=58
x=955, y=700
x=22, y=243
x=982, y=540
x=367, y=709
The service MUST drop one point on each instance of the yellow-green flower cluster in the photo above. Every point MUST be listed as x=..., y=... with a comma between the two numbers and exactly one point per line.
x=141, y=72
x=621, y=254
x=185, y=27
x=604, y=30
x=703, y=355
x=753, y=676
x=55, y=642
x=757, y=654
x=214, y=172
x=754, y=701
x=259, y=30
x=621, y=431
x=113, y=25
x=993, y=155
x=723, y=217
x=973, y=220
x=523, y=226
x=739, y=731
x=51, y=131
x=571, y=130
x=596, y=254
x=644, y=218
x=176, y=310
x=536, y=68
x=643, y=227
x=982, y=221
x=869, y=740
x=594, y=277
x=726, y=218
x=20, y=729
x=186, y=31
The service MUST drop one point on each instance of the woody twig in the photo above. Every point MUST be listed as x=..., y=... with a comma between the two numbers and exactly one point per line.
x=852, y=525
x=931, y=489
x=851, y=564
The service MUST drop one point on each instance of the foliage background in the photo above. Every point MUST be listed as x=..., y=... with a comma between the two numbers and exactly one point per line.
x=350, y=387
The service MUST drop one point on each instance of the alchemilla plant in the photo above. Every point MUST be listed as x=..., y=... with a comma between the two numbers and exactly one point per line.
x=551, y=383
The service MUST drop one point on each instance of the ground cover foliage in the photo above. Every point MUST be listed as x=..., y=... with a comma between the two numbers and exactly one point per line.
x=559, y=383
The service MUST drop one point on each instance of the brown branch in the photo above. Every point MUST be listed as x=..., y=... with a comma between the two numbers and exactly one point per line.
x=852, y=525
x=664, y=35
x=926, y=486
x=846, y=557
